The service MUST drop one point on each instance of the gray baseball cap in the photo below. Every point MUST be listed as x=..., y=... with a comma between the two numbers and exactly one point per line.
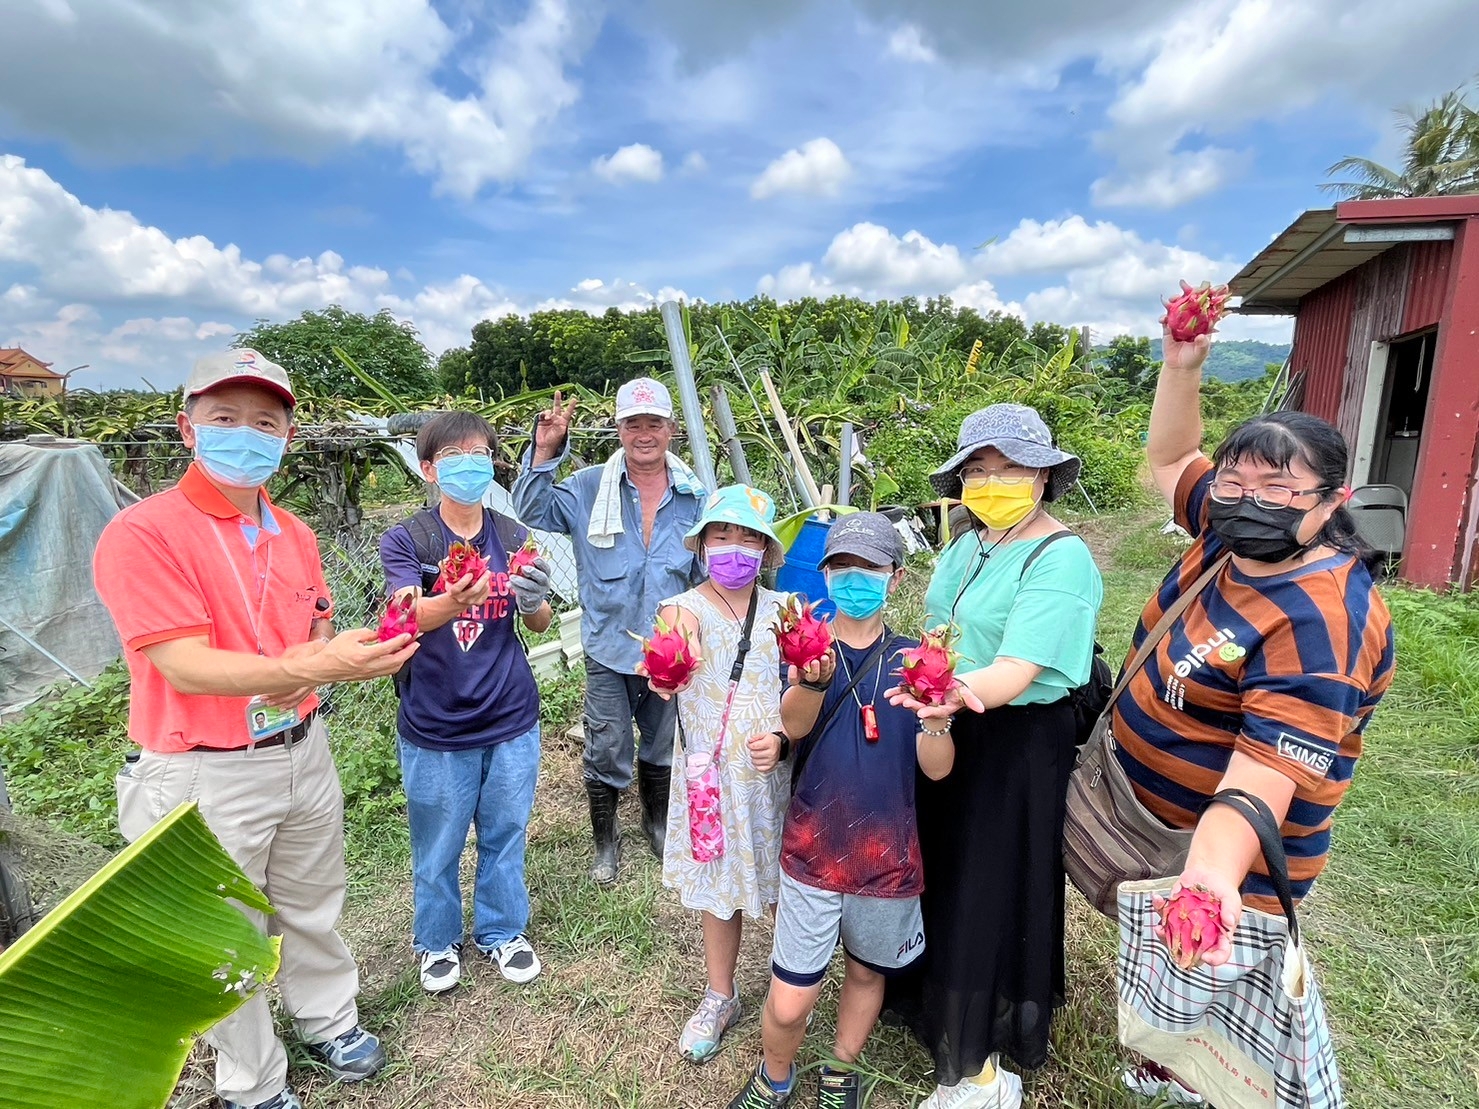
x=869, y=535
x=1019, y=433
x=243, y=366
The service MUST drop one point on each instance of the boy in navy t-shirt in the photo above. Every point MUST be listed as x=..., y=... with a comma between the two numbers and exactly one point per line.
x=850, y=862
x=468, y=721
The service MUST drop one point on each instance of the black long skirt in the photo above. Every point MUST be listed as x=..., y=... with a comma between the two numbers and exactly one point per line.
x=991, y=834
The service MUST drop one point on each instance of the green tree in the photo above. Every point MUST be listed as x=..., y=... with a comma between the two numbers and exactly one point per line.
x=1440, y=156
x=1126, y=370
x=385, y=347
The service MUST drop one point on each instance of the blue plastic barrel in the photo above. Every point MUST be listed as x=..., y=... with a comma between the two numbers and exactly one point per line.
x=801, y=572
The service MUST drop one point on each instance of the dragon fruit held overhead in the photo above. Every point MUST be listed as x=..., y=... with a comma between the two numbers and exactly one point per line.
x=669, y=655
x=803, y=636
x=462, y=559
x=523, y=557
x=399, y=618
x=928, y=671
x=1191, y=924
x=1196, y=311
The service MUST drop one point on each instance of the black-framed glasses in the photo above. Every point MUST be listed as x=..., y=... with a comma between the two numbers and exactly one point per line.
x=1227, y=491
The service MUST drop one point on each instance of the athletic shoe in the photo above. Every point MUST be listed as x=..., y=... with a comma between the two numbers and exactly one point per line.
x=352, y=1057
x=760, y=1094
x=1153, y=1080
x=285, y=1100
x=838, y=1089
x=516, y=960
x=441, y=970
x=1002, y=1092
x=715, y=1015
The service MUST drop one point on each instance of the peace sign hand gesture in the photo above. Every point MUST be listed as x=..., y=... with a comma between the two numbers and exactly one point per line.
x=552, y=428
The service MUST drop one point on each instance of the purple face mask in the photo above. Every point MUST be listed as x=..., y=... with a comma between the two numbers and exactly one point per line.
x=733, y=567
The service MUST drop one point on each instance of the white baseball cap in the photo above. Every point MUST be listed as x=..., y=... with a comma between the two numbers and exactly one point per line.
x=643, y=397
x=239, y=367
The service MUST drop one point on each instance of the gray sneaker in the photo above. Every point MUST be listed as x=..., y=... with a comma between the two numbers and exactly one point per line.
x=352, y=1057
x=715, y=1015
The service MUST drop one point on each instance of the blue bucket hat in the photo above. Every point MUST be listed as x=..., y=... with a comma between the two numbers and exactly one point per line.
x=743, y=506
x=1019, y=433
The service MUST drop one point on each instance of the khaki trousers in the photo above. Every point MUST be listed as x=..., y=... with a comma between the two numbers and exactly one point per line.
x=280, y=814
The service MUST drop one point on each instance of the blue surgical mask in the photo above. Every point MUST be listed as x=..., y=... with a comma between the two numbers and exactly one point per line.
x=856, y=592
x=241, y=457
x=465, y=478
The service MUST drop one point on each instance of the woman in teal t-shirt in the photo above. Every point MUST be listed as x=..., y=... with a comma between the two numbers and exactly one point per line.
x=1024, y=594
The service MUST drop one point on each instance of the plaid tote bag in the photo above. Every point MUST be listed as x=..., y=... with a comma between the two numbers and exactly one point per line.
x=1250, y=1033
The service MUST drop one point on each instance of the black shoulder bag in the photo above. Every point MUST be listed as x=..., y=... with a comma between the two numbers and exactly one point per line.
x=1089, y=700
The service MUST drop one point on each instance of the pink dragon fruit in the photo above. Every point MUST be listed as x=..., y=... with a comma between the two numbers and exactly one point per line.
x=669, y=655
x=1196, y=311
x=1191, y=924
x=802, y=635
x=462, y=559
x=523, y=557
x=399, y=618
x=928, y=671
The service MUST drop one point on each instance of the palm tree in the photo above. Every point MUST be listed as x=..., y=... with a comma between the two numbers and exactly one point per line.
x=1442, y=156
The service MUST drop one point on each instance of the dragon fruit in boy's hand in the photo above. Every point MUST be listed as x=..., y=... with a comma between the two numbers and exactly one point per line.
x=928, y=671
x=523, y=557
x=1191, y=924
x=1196, y=311
x=669, y=656
x=462, y=559
x=399, y=618
x=803, y=636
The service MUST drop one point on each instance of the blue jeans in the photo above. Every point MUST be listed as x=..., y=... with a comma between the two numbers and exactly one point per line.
x=491, y=788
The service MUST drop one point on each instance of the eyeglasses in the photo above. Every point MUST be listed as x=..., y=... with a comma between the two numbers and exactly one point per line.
x=976, y=478
x=1227, y=491
x=458, y=452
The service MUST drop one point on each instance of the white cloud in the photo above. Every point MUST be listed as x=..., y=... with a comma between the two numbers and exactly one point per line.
x=871, y=257
x=1170, y=179
x=1055, y=245
x=816, y=168
x=907, y=42
x=637, y=162
x=695, y=163
x=136, y=82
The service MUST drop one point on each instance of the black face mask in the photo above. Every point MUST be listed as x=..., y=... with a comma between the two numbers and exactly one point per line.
x=1260, y=534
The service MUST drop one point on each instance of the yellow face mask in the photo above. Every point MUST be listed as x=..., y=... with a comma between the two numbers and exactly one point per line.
x=999, y=504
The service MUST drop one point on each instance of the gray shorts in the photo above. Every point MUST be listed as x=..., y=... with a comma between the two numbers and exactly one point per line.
x=884, y=934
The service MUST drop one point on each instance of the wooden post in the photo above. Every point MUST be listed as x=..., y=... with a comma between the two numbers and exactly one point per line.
x=808, y=482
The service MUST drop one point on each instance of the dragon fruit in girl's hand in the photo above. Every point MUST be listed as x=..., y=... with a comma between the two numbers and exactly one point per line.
x=928, y=671
x=669, y=656
x=802, y=635
x=399, y=618
x=1191, y=924
x=462, y=559
x=1196, y=311
x=523, y=557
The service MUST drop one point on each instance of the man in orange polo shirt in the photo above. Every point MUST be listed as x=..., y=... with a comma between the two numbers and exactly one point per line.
x=220, y=600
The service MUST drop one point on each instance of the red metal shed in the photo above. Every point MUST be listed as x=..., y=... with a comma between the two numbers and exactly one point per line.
x=1385, y=295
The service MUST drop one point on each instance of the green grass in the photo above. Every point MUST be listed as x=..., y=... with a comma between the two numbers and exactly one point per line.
x=1393, y=926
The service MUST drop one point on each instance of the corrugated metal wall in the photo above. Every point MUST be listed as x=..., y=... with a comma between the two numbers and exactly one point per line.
x=1427, y=284
x=1321, y=334
x=1381, y=288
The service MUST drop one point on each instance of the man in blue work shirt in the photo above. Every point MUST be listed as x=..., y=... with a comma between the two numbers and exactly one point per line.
x=626, y=520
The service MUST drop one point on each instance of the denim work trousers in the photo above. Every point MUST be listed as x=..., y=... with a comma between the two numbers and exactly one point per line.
x=612, y=701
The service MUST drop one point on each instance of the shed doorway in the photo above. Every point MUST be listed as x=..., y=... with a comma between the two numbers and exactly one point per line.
x=1404, y=404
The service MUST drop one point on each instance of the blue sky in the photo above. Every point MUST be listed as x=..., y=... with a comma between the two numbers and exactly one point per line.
x=170, y=171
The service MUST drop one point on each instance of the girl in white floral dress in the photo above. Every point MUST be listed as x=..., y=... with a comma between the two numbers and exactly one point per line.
x=736, y=541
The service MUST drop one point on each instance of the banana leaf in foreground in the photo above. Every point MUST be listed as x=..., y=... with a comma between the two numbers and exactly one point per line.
x=101, y=1001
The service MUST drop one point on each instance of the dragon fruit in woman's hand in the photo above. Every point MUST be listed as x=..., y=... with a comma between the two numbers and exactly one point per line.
x=462, y=559
x=399, y=618
x=1196, y=311
x=523, y=557
x=669, y=655
x=928, y=671
x=1191, y=924
x=802, y=635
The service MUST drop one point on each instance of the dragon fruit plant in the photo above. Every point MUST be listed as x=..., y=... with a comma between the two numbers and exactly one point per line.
x=668, y=655
x=524, y=557
x=399, y=618
x=462, y=559
x=1191, y=924
x=927, y=672
x=802, y=635
x=1196, y=311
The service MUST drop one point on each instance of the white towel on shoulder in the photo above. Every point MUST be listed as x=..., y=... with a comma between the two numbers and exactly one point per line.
x=606, y=523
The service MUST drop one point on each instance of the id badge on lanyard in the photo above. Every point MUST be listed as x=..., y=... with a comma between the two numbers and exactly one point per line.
x=262, y=719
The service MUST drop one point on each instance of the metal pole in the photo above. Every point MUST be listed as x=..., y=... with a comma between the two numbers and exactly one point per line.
x=693, y=413
x=844, y=467
x=724, y=417
x=29, y=642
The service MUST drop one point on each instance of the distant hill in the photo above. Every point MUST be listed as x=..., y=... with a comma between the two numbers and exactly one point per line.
x=1236, y=361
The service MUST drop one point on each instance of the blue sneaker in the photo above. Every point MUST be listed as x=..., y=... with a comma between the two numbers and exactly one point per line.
x=352, y=1057
x=285, y=1100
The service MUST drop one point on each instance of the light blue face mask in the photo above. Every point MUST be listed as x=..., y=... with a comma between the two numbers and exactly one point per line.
x=465, y=478
x=856, y=592
x=241, y=457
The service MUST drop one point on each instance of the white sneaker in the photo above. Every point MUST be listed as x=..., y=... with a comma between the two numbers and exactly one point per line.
x=1002, y=1092
x=1154, y=1081
x=441, y=970
x=516, y=960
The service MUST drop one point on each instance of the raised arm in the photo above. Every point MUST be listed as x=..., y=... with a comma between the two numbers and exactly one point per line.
x=1175, y=437
x=539, y=501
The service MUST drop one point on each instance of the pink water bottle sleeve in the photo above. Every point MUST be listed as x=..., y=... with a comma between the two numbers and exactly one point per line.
x=705, y=821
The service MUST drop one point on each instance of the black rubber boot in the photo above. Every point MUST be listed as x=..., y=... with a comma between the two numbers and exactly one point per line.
x=603, y=800
x=652, y=784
